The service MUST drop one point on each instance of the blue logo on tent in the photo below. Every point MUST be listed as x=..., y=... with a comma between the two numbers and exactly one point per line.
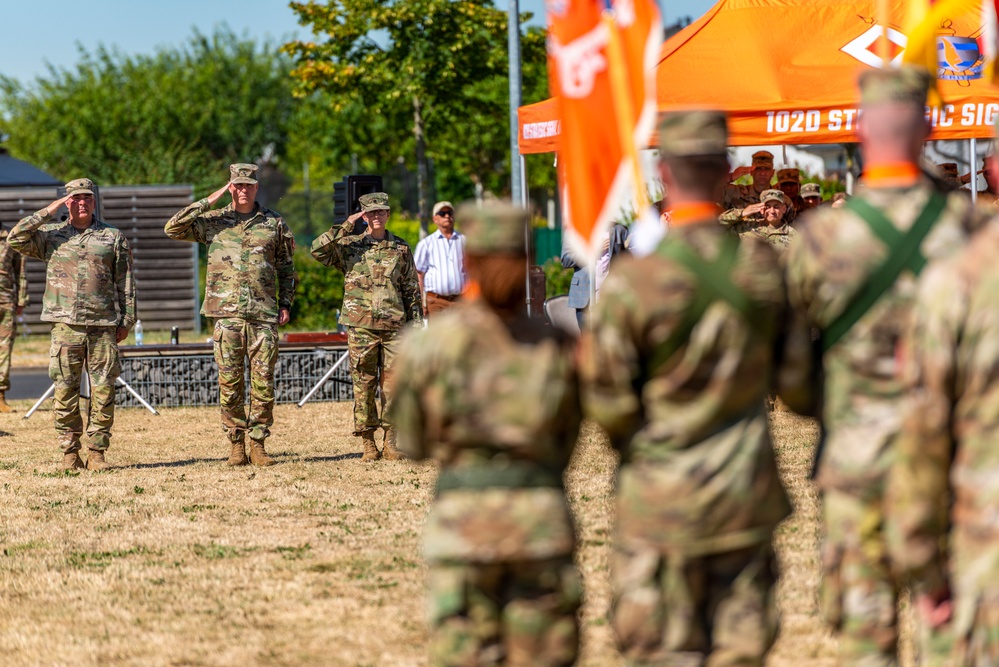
x=959, y=58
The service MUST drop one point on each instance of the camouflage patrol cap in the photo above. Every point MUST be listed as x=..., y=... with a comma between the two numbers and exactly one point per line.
x=498, y=227
x=690, y=133
x=811, y=190
x=772, y=195
x=374, y=201
x=907, y=84
x=243, y=173
x=80, y=186
x=763, y=159
x=788, y=176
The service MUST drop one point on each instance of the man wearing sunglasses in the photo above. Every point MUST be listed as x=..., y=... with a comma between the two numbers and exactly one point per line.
x=440, y=262
x=90, y=301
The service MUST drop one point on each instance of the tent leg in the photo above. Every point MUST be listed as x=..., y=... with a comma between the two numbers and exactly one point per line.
x=973, y=160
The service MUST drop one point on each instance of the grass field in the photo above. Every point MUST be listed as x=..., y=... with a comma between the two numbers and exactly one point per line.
x=171, y=558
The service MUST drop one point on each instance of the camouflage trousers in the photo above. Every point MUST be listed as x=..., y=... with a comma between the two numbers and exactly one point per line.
x=718, y=609
x=514, y=614
x=858, y=594
x=236, y=341
x=974, y=571
x=73, y=349
x=370, y=350
x=8, y=327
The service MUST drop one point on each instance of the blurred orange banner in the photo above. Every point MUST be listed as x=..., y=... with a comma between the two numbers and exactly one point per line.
x=597, y=173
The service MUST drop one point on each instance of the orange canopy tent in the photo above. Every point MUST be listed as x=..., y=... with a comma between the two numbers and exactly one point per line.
x=786, y=70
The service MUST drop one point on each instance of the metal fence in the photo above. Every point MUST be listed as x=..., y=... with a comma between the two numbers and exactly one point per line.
x=192, y=380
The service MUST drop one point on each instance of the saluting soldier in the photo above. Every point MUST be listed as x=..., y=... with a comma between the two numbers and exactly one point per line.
x=766, y=220
x=249, y=289
x=90, y=301
x=683, y=352
x=381, y=294
x=853, y=273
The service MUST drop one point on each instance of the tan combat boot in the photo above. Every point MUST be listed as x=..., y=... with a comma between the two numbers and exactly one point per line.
x=95, y=461
x=258, y=456
x=371, y=452
x=389, y=450
x=72, y=461
x=4, y=406
x=237, y=456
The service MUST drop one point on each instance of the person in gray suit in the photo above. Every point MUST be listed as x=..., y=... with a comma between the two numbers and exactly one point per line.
x=579, y=288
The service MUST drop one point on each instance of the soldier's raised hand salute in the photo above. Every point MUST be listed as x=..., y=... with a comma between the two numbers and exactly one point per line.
x=56, y=205
x=215, y=196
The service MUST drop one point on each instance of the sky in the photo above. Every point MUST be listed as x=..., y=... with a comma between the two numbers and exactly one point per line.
x=37, y=32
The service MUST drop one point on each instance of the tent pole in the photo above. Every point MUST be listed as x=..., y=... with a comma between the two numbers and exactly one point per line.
x=527, y=232
x=973, y=159
x=784, y=152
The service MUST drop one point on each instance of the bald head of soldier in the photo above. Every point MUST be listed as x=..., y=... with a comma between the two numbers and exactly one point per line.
x=693, y=162
x=893, y=125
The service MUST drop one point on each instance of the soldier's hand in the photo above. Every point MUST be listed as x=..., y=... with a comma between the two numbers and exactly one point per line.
x=752, y=209
x=217, y=195
x=283, y=316
x=935, y=609
x=56, y=205
x=120, y=334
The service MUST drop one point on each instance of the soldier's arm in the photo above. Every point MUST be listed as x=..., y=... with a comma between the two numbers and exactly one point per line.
x=22, y=281
x=326, y=249
x=27, y=238
x=286, y=274
x=406, y=410
x=731, y=217
x=189, y=223
x=124, y=278
x=412, y=297
x=918, y=496
x=610, y=363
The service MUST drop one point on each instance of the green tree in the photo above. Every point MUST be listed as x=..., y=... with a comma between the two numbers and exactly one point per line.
x=427, y=76
x=176, y=116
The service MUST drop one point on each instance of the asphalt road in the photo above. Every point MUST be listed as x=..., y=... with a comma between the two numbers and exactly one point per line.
x=28, y=382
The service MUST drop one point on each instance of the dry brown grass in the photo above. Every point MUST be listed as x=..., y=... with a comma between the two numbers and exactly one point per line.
x=173, y=559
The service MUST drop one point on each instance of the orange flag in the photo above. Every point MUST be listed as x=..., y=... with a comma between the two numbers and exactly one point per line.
x=601, y=61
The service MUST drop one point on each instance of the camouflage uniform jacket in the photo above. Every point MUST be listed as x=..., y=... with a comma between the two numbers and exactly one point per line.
x=88, y=272
x=834, y=256
x=486, y=398
x=380, y=285
x=947, y=462
x=698, y=473
x=779, y=237
x=251, y=274
x=13, y=276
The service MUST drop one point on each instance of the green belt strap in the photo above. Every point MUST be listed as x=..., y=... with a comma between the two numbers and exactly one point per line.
x=713, y=283
x=509, y=475
x=903, y=254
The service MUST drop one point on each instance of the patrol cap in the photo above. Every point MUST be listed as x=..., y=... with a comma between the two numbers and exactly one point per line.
x=497, y=228
x=788, y=176
x=811, y=190
x=80, y=186
x=906, y=84
x=374, y=201
x=692, y=133
x=763, y=159
x=441, y=205
x=772, y=195
x=243, y=172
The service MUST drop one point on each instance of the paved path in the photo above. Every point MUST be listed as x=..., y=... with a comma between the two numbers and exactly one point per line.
x=28, y=382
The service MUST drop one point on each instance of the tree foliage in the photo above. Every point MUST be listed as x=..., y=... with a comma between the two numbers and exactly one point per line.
x=176, y=116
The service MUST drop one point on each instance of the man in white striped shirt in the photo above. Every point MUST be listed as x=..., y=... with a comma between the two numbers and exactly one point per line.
x=440, y=263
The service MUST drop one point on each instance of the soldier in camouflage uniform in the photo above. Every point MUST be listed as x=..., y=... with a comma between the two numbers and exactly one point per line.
x=853, y=272
x=811, y=195
x=13, y=299
x=765, y=220
x=682, y=354
x=741, y=196
x=941, y=498
x=493, y=396
x=249, y=289
x=789, y=182
x=88, y=277
x=381, y=293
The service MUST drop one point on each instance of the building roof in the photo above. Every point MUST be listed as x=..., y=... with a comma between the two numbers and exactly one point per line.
x=15, y=173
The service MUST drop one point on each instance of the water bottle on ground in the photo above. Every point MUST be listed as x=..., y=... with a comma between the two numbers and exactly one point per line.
x=138, y=332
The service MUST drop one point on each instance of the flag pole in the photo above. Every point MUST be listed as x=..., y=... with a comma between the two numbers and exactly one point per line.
x=623, y=109
x=884, y=45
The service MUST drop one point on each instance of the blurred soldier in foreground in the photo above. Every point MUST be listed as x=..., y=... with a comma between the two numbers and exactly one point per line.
x=683, y=352
x=811, y=194
x=741, y=196
x=493, y=396
x=942, y=500
x=766, y=220
x=88, y=276
x=13, y=299
x=249, y=289
x=853, y=272
x=381, y=293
